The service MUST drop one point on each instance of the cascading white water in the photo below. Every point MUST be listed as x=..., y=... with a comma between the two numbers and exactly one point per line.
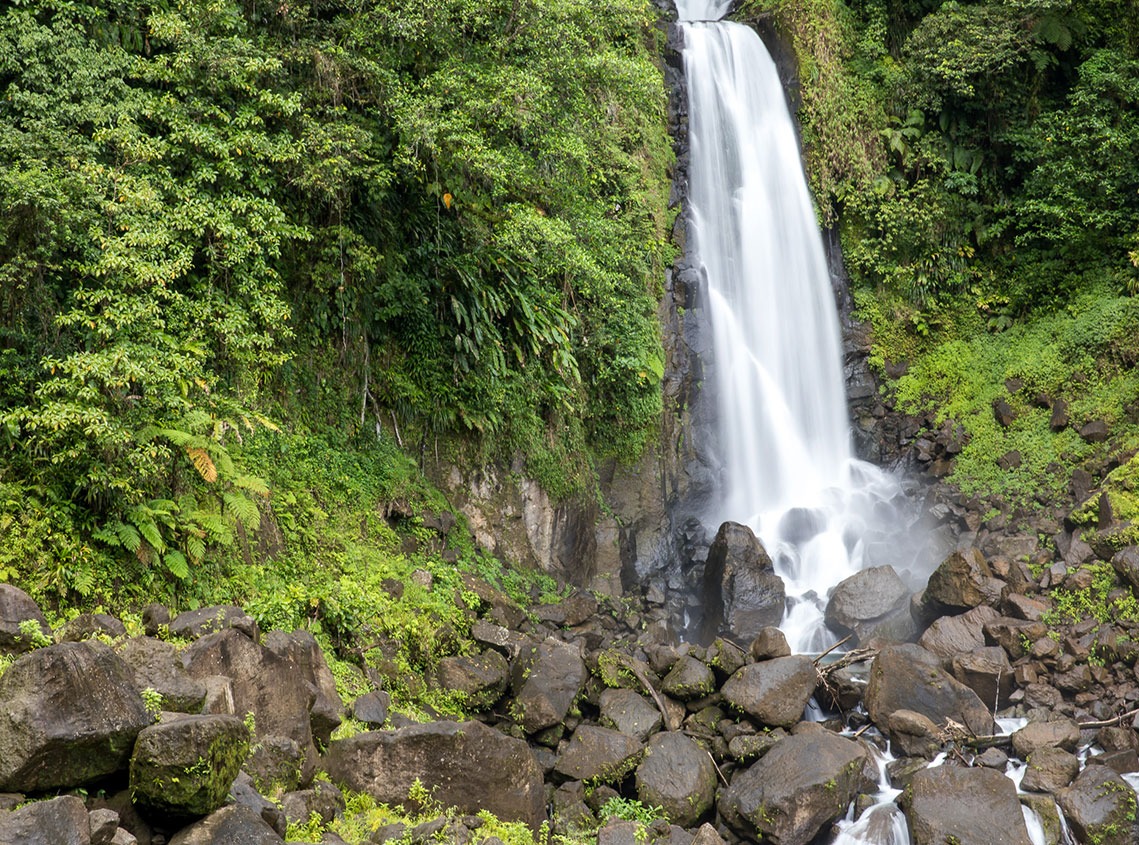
x=788, y=471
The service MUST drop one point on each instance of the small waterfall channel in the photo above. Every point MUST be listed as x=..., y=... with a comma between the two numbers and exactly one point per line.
x=783, y=438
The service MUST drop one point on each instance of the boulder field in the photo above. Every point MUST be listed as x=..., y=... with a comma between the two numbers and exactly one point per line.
x=208, y=730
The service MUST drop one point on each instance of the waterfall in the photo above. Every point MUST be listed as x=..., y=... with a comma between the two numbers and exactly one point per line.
x=781, y=417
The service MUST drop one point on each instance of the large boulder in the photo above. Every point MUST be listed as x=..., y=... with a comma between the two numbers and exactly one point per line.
x=599, y=754
x=873, y=602
x=677, y=775
x=232, y=825
x=964, y=806
x=988, y=673
x=1052, y=733
x=802, y=784
x=1049, y=769
x=88, y=625
x=285, y=684
x=630, y=713
x=689, y=678
x=323, y=799
x=547, y=683
x=481, y=679
x=742, y=593
x=16, y=608
x=1126, y=563
x=157, y=665
x=300, y=649
x=184, y=768
x=208, y=620
x=1100, y=807
x=965, y=632
x=60, y=821
x=775, y=691
x=907, y=677
x=466, y=764
x=962, y=581
x=70, y=716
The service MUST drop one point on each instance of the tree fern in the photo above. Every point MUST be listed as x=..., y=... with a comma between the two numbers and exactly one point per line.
x=177, y=564
x=252, y=484
x=242, y=509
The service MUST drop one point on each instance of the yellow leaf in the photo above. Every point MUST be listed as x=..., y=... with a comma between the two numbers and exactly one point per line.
x=447, y=200
x=203, y=464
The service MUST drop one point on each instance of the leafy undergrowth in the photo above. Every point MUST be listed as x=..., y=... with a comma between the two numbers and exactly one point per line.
x=341, y=550
x=363, y=816
x=1085, y=355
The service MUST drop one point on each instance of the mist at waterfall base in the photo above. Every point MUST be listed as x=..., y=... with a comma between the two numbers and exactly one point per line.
x=782, y=432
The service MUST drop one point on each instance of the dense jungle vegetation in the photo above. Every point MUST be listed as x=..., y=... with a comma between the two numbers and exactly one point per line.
x=249, y=250
x=257, y=260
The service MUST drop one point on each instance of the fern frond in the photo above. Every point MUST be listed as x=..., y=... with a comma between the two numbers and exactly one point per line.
x=242, y=509
x=128, y=537
x=178, y=437
x=177, y=564
x=252, y=484
x=150, y=533
x=215, y=525
x=196, y=547
x=202, y=462
x=224, y=462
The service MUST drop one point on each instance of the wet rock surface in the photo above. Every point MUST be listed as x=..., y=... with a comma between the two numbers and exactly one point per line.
x=803, y=783
x=951, y=804
x=742, y=593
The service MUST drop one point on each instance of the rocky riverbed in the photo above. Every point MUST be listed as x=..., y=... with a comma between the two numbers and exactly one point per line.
x=205, y=729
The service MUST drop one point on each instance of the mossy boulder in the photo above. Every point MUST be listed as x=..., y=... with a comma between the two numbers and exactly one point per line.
x=951, y=804
x=599, y=755
x=1100, y=807
x=185, y=768
x=465, y=764
x=1113, y=509
x=679, y=776
x=775, y=691
x=70, y=716
x=802, y=784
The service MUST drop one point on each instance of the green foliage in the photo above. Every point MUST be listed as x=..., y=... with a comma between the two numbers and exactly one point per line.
x=1102, y=600
x=1082, y=356
x=363, y=816
x=630, y=810
x=152, y=699
x=461, y=208
x=1121, y=487
x=32, y=634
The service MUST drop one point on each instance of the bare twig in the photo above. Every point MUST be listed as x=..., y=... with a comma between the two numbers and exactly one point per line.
x=669, y=724
x=839, y=644
x=1108, y=723
x=713, y=759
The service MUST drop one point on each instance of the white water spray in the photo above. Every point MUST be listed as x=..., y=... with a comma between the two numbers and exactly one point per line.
x=788, y=471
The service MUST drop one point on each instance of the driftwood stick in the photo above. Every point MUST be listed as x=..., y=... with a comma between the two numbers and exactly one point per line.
x=713, y=759
x=644, y=681
x=859, y=655
x=839, y=644
x=1108, y=723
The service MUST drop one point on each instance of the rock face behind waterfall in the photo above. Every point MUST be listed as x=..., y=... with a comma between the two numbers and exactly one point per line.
x=742, y=593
